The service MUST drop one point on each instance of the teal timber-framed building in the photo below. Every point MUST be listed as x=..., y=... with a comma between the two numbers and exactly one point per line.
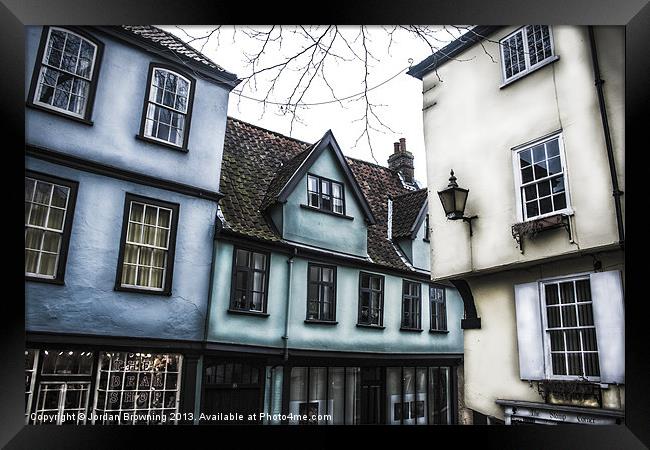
x=321, y=306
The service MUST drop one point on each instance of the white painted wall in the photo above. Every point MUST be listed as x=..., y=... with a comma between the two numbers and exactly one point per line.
x=474, y=124
x=470, y=125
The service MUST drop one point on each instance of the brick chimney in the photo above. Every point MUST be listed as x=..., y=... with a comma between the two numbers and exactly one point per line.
x=401, y=160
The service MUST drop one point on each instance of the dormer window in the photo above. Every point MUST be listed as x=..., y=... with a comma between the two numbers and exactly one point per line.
x=325, y=194
x=168, y=107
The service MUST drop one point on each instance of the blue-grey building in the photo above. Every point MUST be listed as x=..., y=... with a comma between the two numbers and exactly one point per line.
x=322, y=307
x=124, y=139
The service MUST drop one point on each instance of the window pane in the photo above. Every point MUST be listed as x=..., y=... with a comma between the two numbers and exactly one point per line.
x=539, y=154
x=532, y=209
x=42, y=194
x=545, y=205
x=525, y=158
x=530, y=192
x=365, y=280
x=259, y=261
x=312, y=183
x=552, y=148
x=557, y=340
x=553, y=317
x=55, y=219
x=551, y=294
x=51, y=242
x=544, y=188
x=60, y=196
x=337, y=190
x=554, y=165
x=566, y=292
x=559, y=201
x=328, y=275
x=242, y=258
x=569, y=316
x=540, y=169
x=527, y=174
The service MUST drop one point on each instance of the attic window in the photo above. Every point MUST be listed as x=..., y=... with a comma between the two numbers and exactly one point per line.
x=325, y=194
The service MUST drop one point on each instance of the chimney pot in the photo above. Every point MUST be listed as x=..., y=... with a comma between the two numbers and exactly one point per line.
x=402, y=161
x=396, y=147
x=402, y=144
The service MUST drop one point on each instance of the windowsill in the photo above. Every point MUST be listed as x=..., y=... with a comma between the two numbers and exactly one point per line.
x=321, y=322
x=417, y=330
x=161, y=143
x=331, y=213
x=247, y=312
x=366, y=325
x=564, y=212
x=59, y=113
x=142, y=291
x=56, y=281
x=439, y=331
x=519, y=76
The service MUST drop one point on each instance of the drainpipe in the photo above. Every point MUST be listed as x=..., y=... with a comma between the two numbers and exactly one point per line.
x=285, y=337
x=616, y=192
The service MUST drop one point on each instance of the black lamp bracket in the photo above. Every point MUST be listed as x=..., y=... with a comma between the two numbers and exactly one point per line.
x=468, y=220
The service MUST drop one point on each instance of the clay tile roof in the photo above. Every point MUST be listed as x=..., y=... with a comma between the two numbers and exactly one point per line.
x=406, y=209
x=257, y=163
x=167, y=41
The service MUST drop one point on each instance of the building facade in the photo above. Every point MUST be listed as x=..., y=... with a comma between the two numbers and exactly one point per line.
x=531, y=120
x=124, y=139
x=321, y=306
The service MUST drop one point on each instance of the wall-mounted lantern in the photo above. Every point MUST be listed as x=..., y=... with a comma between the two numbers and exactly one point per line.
x=453, y=201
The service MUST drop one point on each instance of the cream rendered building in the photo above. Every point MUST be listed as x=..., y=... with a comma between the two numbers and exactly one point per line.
x=517, y=113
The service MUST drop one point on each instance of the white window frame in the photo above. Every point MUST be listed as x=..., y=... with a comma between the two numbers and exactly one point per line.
x=44, y=65
x=568, y=209
x=546, y=341
x=150, y=101
x=529, y=68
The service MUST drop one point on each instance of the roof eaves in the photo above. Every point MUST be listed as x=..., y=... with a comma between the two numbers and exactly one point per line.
x=216, y=73
x=454, y=48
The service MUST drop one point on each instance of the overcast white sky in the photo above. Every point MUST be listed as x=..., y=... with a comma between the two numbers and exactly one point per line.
x=401, y=97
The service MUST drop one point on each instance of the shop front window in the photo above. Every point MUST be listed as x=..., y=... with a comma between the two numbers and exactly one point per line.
x=137, y=388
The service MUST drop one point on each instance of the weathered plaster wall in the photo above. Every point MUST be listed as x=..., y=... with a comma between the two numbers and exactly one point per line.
x=325, y=230
x=491, y=353
x=345, y=336
x=87, y=303
x=481, y=123
x=117, y=112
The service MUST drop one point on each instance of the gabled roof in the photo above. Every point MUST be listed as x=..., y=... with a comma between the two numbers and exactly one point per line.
x=173, y=48
x=296, y=168
x=409, y=211
x=254, y=159
x=451, y=50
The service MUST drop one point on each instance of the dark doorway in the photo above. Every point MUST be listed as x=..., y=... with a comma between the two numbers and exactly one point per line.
x=371, y=395
x=233, y=393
